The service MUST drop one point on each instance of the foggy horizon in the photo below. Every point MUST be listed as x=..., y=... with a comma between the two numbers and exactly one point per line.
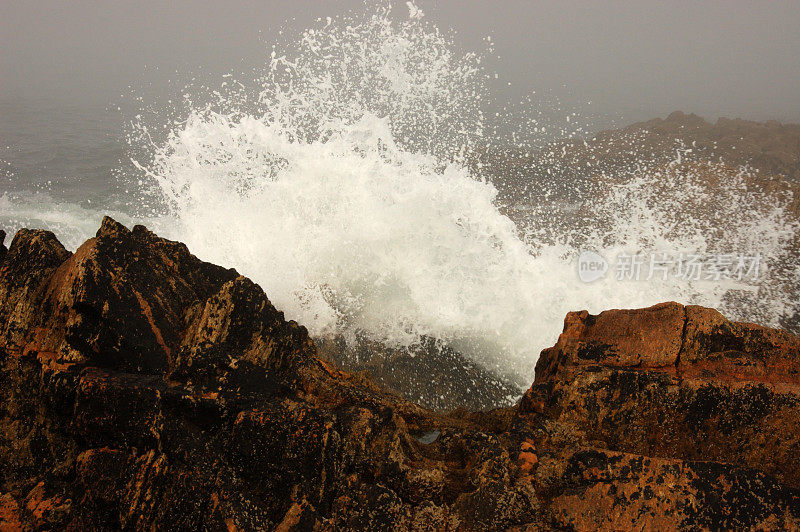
x=626, y=62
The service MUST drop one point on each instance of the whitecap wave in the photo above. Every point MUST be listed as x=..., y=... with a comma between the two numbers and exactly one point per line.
x=346, y=185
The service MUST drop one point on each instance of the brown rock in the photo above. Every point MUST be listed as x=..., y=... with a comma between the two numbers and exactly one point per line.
x=10, y=514
x=649, y=337
x=144, y=389
x=728, y=393
x=606, y=490
x=737, y=351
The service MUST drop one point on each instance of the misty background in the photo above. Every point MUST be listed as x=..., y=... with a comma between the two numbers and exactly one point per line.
x=627, y=61
x=90, y=90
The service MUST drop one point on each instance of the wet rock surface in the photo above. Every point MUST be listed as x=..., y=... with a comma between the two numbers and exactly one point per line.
x=430, y=374
x=142, y=388
x=710, y=389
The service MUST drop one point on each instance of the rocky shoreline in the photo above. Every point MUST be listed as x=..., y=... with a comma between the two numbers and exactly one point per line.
x=142, y=388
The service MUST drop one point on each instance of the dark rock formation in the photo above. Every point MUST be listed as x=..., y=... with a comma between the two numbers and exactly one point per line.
x=3, y=249
x=674, y=381
x=144, y=389
x=430, y=374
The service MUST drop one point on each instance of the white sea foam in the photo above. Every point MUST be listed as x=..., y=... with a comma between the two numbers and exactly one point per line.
x=71, y=222
x=342, y=186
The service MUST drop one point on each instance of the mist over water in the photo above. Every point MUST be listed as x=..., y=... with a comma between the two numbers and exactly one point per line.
x=350, y=182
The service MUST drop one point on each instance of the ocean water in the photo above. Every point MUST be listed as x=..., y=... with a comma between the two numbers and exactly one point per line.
x=345, y=178
x=59, y=167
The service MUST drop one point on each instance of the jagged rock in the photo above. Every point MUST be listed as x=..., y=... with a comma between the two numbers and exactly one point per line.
x=674, y=381
x=141, y=388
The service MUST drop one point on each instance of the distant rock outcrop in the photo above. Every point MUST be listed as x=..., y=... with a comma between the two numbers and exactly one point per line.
x=771, y=150
x=770, y=147
x=142, y=388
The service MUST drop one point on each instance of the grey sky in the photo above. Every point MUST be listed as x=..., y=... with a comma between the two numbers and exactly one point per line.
x=635, y=59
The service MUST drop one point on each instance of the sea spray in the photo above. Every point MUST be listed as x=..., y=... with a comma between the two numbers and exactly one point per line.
x=346, y=185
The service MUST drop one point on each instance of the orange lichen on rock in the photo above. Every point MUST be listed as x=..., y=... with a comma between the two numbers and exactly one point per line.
x=143, y=389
